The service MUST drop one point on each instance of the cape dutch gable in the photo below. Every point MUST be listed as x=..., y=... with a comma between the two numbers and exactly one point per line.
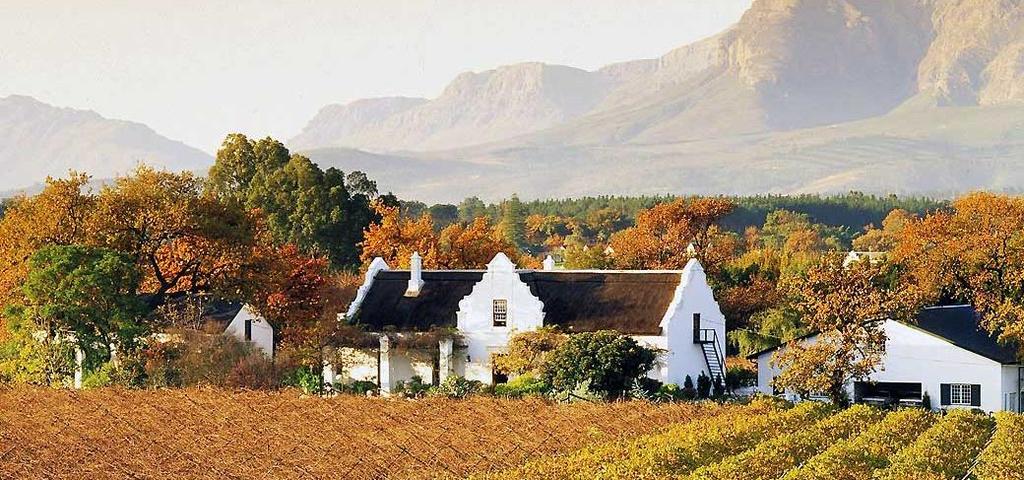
x=672, y=310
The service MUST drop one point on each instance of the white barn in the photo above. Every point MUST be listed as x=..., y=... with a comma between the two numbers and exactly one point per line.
x=944, y=354
x=672, y=310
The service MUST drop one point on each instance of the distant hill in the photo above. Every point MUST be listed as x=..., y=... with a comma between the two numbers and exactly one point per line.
x=37, y=140
x=907, y=96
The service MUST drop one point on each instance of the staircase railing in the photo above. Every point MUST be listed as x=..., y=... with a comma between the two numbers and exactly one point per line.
x=710, y=336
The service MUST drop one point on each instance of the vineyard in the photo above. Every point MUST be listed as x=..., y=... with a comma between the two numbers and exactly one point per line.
x=208, y=433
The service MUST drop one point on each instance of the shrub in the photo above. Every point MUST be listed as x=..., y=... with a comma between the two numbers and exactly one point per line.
x=608, y=360
x=1001, y=460
x=303, y=378
x=946, y=450
x=773, y=458
x=456, y=387
x=358, y=387
x=703, y=386
x=739, y=376
x=524, y=385
x=669, y=392
x=529, y=352
x=856, y=458
x=645, y=388
x=718, y=388
x=414, y=388
x=689, y=393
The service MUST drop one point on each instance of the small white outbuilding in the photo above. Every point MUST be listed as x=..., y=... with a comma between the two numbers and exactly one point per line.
x=247, y=326
x=944, y=354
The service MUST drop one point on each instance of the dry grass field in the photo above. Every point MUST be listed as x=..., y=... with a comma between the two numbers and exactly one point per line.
x=207, y=433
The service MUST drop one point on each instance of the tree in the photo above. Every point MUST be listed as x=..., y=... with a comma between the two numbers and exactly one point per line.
x=471, y=245
x=471, y=208
x=320, y=211
x=303, y=302
x=181, y=238
x=663, y=233
x=56, y=216
x=529, y=352
x=395, y=238
x=885, y=238
x=847, y=306
x=83, y=296
x=607, y=361
x=512, y=226
x=443, y=215
x=972, y=254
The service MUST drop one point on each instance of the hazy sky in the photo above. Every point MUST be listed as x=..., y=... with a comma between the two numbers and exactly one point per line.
x=196, y=70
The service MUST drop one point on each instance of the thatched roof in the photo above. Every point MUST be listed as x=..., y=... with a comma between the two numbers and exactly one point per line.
x=630, y=302
x=387, y=307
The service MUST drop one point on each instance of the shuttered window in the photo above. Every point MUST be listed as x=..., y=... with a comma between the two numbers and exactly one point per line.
x=499, y=313
x=960, y=394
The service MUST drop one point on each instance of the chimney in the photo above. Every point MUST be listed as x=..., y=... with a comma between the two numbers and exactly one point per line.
x=549, y=264
x=415, y=275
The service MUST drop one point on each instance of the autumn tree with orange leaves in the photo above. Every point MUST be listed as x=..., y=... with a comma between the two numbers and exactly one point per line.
x=973, y=253
x=181, y=238
x=470, y=245
x=846, y=305
x=663, y=233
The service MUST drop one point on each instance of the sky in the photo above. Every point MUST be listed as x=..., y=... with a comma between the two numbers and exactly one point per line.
x=197, y=70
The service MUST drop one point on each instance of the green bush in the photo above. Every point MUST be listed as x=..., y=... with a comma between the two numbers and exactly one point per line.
x=414, y=388
x=607, y=361
x=523, y=386
x=737, y=377
x=703, y=386
x=358, y=387
x=304, y=378
x=456, y=387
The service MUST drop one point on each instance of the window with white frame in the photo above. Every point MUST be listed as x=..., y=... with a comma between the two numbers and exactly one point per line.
x=499, y=312
x=960, y=394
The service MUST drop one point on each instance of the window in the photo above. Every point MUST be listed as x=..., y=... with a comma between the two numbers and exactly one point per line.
x=499, y=313
x=960, y=394
x=248, y=330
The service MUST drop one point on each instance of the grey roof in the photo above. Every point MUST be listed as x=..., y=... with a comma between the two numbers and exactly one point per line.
x=956, y=324
x=959, y=325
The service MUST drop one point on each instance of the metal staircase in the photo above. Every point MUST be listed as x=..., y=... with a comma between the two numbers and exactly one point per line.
x=708, y=340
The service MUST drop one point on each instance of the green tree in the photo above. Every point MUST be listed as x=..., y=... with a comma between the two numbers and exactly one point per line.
x=607, y=361
x=512, y=225
x=83, y=296
x=470, y=208
x=320, y=211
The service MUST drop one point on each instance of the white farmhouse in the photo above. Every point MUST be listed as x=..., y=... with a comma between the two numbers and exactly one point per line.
x=944, y=354
x=672, y=310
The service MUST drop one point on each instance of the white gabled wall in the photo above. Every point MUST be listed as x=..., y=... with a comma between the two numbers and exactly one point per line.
x=915, y=356
x=693, y=295
x=481, y=337
x=262, y=332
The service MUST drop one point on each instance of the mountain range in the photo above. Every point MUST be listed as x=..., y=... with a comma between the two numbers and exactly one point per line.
x=884, y=96
x=38, y=140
